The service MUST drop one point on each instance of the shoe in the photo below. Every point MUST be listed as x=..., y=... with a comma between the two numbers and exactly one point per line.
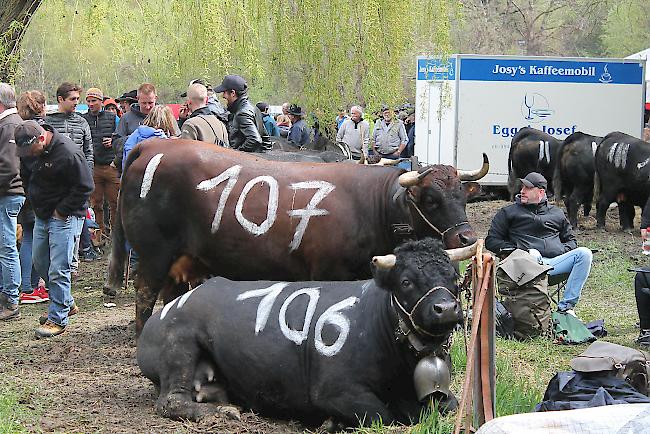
x=39, y=295
x=48, y=330
x=570, y=312
x=73, y=311
x=90, y=255
x=9, y=312
x=644, y=338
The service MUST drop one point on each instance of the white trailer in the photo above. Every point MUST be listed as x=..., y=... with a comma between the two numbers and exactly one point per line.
x=470, y=104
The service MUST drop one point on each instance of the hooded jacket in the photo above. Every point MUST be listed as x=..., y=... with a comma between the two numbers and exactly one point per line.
x=10, y=182
x=143, y=132
x=76, y=128
x=532, y=226
x=204, y=126
x=59, y=179
x=102, y=125
x=246, y=130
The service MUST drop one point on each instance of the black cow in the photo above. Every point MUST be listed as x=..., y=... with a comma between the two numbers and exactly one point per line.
x=531, y=150
x=574, y=175
x=622, y=175
x=310, y=350
x=191, y=211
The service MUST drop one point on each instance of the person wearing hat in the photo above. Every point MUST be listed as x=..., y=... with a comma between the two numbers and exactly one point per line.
x=534, y=225
x=59, y=185
x=110, y=105
x=127, y=98
x=246, y=130
x=269, y=123
x=102, y=126
x=202, y=124
x=389, y=136
x=299, y=133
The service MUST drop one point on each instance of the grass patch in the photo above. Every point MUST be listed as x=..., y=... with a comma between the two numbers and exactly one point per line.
x=15, y=413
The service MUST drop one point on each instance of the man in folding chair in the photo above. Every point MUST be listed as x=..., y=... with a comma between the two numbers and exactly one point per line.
x=532, y=224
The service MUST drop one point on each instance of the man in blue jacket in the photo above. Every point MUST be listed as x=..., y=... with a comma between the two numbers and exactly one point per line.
x=59, y=185
x=543, y=230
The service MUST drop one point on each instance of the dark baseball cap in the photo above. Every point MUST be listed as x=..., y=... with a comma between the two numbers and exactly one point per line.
x=262, y=106
x=25, y=135
x=232, y=82
x=131, y=95
x=207, y=85
x=534, y=179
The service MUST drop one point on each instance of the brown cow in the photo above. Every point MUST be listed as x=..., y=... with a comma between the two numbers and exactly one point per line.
x=190, y=211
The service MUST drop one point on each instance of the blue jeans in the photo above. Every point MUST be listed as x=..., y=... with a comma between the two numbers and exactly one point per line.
x=29, y=279
x=9, y=262
x=53, y=249
x=577, y=262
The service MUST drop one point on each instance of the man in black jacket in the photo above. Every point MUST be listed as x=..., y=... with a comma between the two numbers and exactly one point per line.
x=246, y=130
x=543, y=230
x=59, y=184
x=102, y=126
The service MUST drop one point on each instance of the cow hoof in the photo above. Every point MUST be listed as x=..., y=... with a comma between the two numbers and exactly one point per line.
x=111, y=292
x=229, y=411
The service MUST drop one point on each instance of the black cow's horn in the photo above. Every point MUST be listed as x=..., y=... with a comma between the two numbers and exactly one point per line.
x=385, y=262
x=474, y=175
x=462, y=252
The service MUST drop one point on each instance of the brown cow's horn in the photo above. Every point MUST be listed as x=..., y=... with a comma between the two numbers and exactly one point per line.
x=462, y=252
x=385, y=262
x=425, y=173
x=409, y=179
x=474, y=175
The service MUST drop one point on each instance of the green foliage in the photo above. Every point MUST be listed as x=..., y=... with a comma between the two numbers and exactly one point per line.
x=319, y=54
x=14, y=416
x=9, y=55
x=627, y=27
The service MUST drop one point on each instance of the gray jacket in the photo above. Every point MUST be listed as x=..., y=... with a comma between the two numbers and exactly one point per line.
x=388, y=138
x=356, y=136
x=76, y=128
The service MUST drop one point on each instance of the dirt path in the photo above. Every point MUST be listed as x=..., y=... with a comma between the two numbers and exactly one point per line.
x=87, y=380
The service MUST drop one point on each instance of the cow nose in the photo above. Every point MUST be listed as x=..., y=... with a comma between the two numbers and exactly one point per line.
x=446, y=311
x=466, y=238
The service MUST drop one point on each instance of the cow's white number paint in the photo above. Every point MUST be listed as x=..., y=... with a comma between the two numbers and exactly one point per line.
x=332, y=316
x=231, y=175
x=181, y=301
x=323, y=188
x=271, y=206
x=149, y=172
x=298, y=336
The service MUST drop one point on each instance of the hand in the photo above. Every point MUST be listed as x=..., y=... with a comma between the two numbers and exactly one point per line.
x=536, y=255
x=396, y=153
x=184, y=112
x=107, y=142
x=57, y=215
x=113, y=165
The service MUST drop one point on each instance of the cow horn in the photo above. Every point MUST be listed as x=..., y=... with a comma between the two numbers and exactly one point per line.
x=409, y=179
x=462, y=252
x=385, y=262
x=362, y=160
x=474, y=175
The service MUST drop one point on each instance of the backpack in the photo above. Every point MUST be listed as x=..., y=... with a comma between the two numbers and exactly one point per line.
x=523, y=287
x=567, y=329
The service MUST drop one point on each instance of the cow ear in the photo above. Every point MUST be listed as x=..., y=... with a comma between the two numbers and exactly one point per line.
x=472, y=189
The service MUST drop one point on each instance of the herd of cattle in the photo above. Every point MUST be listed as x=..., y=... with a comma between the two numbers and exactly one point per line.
x=192, y=211
x=289, y=327
x=582, y=168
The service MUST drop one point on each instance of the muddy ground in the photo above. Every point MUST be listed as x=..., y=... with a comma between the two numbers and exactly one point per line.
x=87, y=379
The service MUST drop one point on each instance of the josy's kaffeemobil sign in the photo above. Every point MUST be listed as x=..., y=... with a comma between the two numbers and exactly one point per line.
x=471, y=104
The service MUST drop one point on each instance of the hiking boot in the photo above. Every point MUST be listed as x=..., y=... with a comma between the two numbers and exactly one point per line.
x=644, y=339
x=39, y=295
x=48, y=330
x=73, y=311
x=9, y=312
x=90, y=255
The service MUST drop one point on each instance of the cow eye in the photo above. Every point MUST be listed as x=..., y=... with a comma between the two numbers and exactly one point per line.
x=430, y=202
x=406, y=283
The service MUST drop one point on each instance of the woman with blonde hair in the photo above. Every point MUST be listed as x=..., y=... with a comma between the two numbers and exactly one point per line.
x=159, y=122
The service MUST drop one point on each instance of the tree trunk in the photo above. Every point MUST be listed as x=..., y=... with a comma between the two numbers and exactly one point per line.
x=14, y=18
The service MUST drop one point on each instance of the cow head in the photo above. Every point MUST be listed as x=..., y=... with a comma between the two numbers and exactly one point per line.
x=437, y=197
x=422, y=282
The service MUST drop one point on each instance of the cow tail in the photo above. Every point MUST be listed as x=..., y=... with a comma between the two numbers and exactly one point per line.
x=557, y=172
x=596, y=185
x=512, y=176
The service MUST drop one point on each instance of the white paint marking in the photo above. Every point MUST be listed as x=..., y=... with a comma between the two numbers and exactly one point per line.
x=184, y=298
x=642, y=164
x=623, y=158
x=271, y=207
x=610, y=153
x=366, y=286
x=264, y=308
x=299, y=336
x=166, y=308
x=547, y=151
x=231, y=174
x=334, y=317
x=594, y=147
x=324, y=188
x=541, y=150
x=149, y=172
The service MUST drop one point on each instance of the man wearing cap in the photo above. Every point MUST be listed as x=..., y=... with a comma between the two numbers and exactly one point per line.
x=532, y=224
x=102, y=126
x=59, y=184
x=269, y=123
x=202, y=124
x=12, y=197
x=246, y=130
x=299, y=133
x=127, y=98
x=389, y=136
